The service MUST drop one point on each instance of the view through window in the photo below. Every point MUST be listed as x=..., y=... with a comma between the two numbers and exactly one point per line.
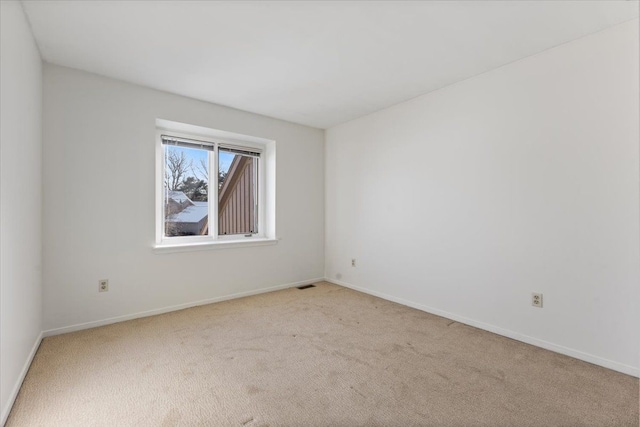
x=188, y=195
x=186, y=204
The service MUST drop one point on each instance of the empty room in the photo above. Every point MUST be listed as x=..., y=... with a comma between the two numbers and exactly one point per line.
x=423, y=213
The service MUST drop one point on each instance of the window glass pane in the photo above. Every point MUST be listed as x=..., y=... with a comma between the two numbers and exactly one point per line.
x=237, y=197
x=186, y=191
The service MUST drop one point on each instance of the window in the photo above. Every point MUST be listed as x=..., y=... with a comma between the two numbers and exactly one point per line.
x=211, y=190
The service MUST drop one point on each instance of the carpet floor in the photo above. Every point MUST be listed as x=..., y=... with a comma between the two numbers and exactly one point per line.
x=324, y=356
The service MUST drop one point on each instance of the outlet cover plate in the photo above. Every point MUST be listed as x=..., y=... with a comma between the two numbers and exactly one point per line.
x=536, y=300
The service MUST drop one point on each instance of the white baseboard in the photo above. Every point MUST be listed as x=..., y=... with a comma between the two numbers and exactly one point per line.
x=620, y=367
x=16, y=388
x=96, y=323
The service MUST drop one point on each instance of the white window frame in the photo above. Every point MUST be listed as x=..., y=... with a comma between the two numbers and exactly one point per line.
x=212, y=240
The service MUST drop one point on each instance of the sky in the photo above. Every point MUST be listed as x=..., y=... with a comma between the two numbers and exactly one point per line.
x=196, y=156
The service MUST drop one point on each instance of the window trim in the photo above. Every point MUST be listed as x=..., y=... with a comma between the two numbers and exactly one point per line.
x=214, y=244
x=212, y=240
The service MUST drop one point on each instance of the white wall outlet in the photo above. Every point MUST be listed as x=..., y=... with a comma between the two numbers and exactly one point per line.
x=103, y=285
x=536, y=300
x=353, y=262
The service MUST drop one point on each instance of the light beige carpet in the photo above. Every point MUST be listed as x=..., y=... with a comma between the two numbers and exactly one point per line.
x=325, y=356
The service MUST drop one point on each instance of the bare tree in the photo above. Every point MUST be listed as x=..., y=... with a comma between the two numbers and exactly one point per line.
x=201, y=170
x=176, y=167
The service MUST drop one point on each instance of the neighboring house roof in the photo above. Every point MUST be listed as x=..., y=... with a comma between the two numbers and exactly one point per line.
x=193, y=213
x=190, y=214
x=178, y=197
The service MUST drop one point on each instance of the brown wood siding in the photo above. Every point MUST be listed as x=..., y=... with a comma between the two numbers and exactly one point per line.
x=236, y=203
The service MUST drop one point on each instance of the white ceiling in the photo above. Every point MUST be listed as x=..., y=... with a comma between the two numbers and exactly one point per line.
x=314, y=63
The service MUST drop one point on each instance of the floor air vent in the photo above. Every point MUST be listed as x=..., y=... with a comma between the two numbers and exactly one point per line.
x=306, y=286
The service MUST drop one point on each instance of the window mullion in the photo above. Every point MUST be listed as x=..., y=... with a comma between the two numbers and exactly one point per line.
x=213, y=193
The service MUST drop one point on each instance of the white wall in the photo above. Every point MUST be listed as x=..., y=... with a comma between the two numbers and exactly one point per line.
x=523, y=179
x=20, y=204
x=99, y=203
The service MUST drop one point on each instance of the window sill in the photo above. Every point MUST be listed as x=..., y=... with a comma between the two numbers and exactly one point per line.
x=165, y=248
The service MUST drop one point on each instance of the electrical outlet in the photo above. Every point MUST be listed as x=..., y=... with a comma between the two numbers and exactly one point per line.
x=536, y=300
x=353, y=262
x=103, y=285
